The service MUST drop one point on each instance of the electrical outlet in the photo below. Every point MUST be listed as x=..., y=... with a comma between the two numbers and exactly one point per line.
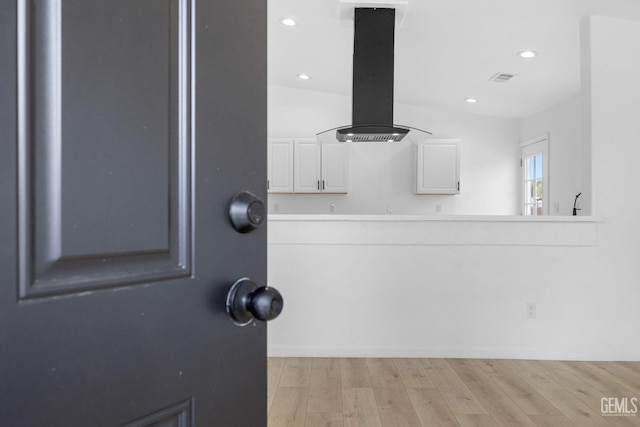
x=332, y=208
x=531, y=310
x=438, y=208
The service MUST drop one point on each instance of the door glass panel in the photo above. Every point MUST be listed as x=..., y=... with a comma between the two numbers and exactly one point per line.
x=538, y=165
x=533, y=185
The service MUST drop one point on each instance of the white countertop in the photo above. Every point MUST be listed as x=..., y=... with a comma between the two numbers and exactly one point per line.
x=433, y=230
x=408, y=218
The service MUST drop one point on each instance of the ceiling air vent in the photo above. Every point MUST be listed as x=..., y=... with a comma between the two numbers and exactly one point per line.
x=501, y=77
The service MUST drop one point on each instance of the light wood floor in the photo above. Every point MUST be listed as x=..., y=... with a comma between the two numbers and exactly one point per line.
x=447, y=392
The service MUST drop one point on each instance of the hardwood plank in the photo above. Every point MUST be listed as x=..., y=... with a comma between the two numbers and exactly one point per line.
x=325, y=391
x=384, y=373
x=490, y=366
x=476, y=420
x=574, y=409
x=457, y=395
x=493, y=399
x=412, y=373
x=325, y=373
x=620, y=372
x=274, y=370
x=409, y=419
x=532, y=375
x=590, y=396
x=521, y=392
x=359, y=408
x=296, y=372
x=275, y=365
x=632, y=366
x=568, y=404
x=324, y=420
x=431, y=408
x=580, y=386
x=393, y=401
x=599, y=379
x=354, y=373
x=552, y=421
x=289, y=407
x=328, y=400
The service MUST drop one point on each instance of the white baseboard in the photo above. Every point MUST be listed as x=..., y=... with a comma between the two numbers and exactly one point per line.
x=454, y=353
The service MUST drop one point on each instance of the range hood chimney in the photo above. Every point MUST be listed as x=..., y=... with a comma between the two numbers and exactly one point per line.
x=373, y=68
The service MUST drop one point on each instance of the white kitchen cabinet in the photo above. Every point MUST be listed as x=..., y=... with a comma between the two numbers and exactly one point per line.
x=320, y=168
x=280, y=166
x=335, y=168
x=438, y=167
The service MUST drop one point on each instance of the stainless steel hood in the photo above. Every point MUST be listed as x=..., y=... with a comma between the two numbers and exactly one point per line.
x=373, y=68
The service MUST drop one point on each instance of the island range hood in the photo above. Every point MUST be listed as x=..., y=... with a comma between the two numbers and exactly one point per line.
x=373, y=68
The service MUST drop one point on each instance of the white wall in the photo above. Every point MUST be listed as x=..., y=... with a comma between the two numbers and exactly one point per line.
x=468, y=300
x=383, y=174
x=614, y=133
x=563, y=123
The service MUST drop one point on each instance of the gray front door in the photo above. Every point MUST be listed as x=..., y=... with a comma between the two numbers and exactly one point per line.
x=126, y=127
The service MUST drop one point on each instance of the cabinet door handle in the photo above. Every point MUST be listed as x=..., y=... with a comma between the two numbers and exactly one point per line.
x=268, y=184
x=323, y=184
x=318, y=184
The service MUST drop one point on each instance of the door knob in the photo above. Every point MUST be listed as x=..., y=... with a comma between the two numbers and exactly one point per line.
x=246, y=212
x=246, y=301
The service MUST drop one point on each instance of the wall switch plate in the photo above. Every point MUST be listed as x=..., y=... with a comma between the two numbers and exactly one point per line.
x=531, y=310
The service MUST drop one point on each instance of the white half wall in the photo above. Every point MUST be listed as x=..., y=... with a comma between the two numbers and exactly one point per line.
x=382, y=175
x=391, y=286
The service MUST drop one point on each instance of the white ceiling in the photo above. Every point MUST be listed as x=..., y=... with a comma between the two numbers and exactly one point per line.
x=446, y=50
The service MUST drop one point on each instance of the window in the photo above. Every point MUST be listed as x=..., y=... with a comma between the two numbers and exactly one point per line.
x=535, y=176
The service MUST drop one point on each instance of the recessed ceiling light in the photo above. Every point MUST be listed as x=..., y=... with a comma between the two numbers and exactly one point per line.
x=303, y=76
x=528, y=54
x=288, y=22
x=471, y=100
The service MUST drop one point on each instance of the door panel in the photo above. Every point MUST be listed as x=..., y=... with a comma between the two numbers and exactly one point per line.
x=116, y=168
x=144, y=116
x=180, y=415
x=127, y=127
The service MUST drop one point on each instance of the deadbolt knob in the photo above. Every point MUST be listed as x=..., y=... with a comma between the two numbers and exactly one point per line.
x=246, y=302
x=246, y=212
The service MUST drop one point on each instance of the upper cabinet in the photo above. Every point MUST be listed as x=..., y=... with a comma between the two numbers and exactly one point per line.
x=334, y=168
x=280, y=166
x=438, y=167
x=320, y=168
x=307, y=163
x=306, y=166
